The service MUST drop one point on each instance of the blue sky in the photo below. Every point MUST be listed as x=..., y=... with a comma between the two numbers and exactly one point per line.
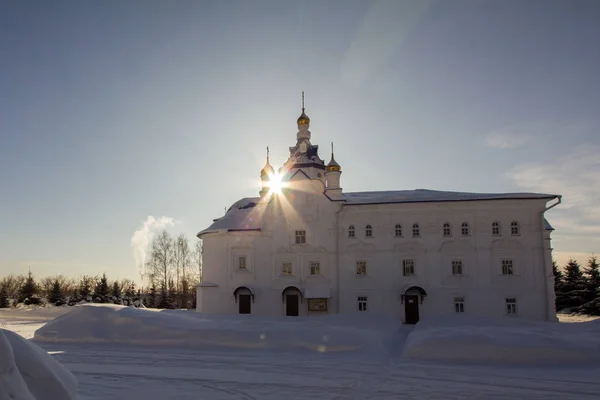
x=115, y=111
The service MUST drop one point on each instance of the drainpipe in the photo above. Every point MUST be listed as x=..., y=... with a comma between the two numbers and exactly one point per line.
x=544, y=254
x=337, y=256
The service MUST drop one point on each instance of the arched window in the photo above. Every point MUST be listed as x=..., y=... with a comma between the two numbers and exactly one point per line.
x=398, y=230
x=495, y=228
x=464, y=229
x=515, y=229
x=351, y=232
x=368, y=231
x=447, y=231
x=416, y=231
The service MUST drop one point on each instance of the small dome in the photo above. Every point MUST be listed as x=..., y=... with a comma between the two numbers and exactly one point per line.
x=267, y=170
x=303, y=119
x=333, y=165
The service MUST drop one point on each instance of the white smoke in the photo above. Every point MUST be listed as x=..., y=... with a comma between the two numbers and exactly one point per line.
x=141, y=239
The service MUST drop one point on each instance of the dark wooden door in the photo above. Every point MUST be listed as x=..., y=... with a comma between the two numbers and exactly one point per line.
x=244, y=301
x=411, y=309
x=291, y=305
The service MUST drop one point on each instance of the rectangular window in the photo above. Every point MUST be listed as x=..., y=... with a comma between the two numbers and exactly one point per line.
x=507, y=267
x=242, y=263
x=408, y=267
x=286, y=268
x=457, y=267
x=459, y=304
x=315, y=268
x=361, y=268
x=398, y=230
x=362, y=303
x=511, y=306
x=300, y=237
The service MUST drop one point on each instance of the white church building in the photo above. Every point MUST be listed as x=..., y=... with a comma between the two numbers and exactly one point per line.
x=306, y=247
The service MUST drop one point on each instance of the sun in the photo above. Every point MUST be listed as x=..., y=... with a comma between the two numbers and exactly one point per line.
x=276, y=183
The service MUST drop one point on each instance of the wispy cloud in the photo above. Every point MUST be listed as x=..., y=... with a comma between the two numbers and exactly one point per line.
x=506, y=139
x=576, y=176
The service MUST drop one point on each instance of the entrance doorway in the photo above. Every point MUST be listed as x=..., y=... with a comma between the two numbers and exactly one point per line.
x=292, y=309
x=411, y=309
x=245, y=303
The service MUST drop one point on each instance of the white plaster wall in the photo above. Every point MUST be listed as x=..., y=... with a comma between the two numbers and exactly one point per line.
x=483, y=286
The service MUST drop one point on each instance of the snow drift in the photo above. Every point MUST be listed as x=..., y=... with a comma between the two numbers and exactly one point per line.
x=504, y=340
x=118, y=324
x=29, y=373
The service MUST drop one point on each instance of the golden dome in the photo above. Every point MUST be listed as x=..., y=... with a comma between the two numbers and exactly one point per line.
x=303, y=119
x=267, y=170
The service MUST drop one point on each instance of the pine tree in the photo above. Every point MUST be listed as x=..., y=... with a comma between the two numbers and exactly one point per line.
x=56, y=295
x=574, y=287
x=116, y=290
x=153, y=296
x=29, y=291
x=592, y=292
x=101, y=291
x=4, y=303
x=559, y=278
x=85, y=287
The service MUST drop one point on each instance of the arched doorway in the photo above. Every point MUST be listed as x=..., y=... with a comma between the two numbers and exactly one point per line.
x=291, y=296
x=244, y=296
x=412, y=296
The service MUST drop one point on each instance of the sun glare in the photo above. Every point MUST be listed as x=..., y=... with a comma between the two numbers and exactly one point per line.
x=276, y=183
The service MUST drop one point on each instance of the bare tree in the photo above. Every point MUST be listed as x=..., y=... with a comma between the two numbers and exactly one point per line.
x=12, y=285
x=197, y=260
x=160, y=264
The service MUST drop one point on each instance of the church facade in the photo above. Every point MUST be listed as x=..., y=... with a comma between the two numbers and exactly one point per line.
x=306, y=247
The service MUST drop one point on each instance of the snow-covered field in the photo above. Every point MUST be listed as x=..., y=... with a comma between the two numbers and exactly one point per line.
x=123, y=353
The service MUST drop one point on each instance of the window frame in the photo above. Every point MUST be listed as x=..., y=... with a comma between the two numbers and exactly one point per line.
x=459, y=304
x=511, y=306
x=508, y=266
x=398, y=230
x=364, y=269
x=447, y=230
x=351, y=232
x=300, y=235
x=408, y=264
x=465, y=229
x=498, y=226
x=363, y=303
x=369, y=231
x=515, y=228
x=416, y=230
x=456, y=265
x=314, y=266
x=283, y=269
x=242, y=260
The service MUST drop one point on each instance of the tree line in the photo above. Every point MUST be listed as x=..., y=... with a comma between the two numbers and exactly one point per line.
x=577, y=288
x=171, y=274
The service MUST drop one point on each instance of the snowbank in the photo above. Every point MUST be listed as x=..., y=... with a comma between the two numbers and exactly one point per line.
x=509, y=340
x=29, y=373
x=118, y=324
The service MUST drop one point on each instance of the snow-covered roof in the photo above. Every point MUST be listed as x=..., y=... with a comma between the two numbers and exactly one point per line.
x=243, y=215
x=426, y=196
x=246, y=214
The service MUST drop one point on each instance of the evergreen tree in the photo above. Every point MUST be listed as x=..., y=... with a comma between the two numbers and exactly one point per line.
x=559, y=278
x=28, y=291
x=4, y=303
x=56, y=295
x=172, y=294
x=592, y=292
x=153, y=296
x=164, y=297
x=85, y=287
x=130, y=291
x=574, y=287
x=116, y=290
x=101, y=291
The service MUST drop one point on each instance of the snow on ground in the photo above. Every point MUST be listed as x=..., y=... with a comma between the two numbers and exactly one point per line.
x=29, y=373
x=503, y=340
x=244, y=365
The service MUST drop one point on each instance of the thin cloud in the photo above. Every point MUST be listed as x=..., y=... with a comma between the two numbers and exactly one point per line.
x=577, y=177
x=506, y=140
